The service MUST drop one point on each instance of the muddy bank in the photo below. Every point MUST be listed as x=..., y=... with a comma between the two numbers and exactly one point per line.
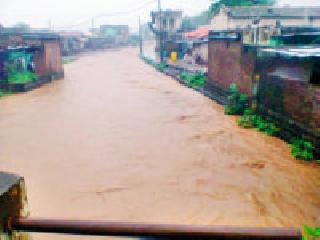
x=117, y=140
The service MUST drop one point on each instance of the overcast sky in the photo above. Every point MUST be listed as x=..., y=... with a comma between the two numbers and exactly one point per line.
x=77, y=13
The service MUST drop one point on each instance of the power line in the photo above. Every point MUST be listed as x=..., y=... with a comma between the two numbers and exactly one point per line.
x=89, y=20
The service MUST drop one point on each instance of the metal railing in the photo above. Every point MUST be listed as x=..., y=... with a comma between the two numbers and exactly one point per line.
x=155, y=231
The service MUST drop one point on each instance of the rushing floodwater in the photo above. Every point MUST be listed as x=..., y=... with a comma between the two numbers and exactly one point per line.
x=116, y=140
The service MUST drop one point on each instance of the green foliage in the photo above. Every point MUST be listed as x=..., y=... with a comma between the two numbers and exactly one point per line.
x=311, y=233
x=237, y=102
x=248, y=119
x=21, y=77
x=194, y=80
x=302, y=149
x=266, y=126
x=251, y=120
x=161, y=67
x=183, y=75
x=148, y=60
x=190, y=23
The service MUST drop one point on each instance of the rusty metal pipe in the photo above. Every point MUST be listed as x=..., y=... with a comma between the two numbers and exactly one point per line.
x=127, y=229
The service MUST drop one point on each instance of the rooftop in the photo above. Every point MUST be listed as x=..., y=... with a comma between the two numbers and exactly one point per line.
x=273, y=12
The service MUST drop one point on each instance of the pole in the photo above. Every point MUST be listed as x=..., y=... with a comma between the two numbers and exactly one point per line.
x=127, y=229
x=160, y=31
x=92, y=25
x=140, y=38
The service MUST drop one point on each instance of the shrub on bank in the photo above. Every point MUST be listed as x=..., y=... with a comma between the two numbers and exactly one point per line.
x=237, y=102
x=194, y=80
x=302, y=149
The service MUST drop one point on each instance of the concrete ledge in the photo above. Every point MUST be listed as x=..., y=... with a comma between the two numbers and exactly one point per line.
x=12, y=203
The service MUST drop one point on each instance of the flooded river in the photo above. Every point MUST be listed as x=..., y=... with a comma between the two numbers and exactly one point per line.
x=116, y=140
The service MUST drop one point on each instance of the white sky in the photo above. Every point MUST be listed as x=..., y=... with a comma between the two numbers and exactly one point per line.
x=61, y=13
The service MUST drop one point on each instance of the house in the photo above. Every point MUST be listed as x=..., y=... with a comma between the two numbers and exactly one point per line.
x=171, y=21
x=199, y=40
x=48, y=61
x=44, y=49
x=170, y=25
x=265, y=16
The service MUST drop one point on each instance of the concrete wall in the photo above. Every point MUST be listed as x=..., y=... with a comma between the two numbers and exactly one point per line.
x=13, y=203
x=222, y=21
x=285, y=89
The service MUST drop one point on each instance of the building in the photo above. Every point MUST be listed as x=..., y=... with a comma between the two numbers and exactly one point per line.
x=118, y=33
x=265, y=16
x=71, y=42
x=198, y=38
x=171, y=23
x=44, y=50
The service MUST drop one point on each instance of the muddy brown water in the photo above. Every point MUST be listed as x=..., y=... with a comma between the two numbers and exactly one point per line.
x=116, y=140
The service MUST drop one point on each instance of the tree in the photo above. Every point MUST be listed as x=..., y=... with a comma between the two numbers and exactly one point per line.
x=216, y=5
x=190, y=23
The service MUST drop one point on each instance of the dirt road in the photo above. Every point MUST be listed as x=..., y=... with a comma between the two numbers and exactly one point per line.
x=116, y=140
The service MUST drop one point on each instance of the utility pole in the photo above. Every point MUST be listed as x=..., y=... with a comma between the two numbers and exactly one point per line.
x=140, y=38
x=92, y=25
x=160, y=31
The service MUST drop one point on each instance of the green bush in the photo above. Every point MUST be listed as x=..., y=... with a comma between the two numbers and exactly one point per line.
x=237, y=102
x=21, y=77
x=302, y=149
x=251, y=120
x=184, y=75
x=161, y=66
x=266, y=126
x=310, y=233
x=196, y=80
x=248, y=119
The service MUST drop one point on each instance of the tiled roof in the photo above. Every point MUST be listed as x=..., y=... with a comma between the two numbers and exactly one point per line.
x=273, y=12
x=200, y=32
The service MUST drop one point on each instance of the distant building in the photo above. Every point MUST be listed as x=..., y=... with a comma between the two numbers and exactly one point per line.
x=171, y=23
x=171, y=20
x=199, y=40
x=118, y=33
x=265, y=16
x=71, y=42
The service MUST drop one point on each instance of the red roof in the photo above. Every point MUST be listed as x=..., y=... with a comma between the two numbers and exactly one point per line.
x=200, y=32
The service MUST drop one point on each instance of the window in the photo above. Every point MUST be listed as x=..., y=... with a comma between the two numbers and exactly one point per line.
x=171, y=23
x=164, y=23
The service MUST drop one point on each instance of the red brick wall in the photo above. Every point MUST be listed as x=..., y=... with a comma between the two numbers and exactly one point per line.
x=224, y=62
x=227, y=63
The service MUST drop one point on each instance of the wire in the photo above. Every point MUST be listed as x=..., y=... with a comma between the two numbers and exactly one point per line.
x=88, y=20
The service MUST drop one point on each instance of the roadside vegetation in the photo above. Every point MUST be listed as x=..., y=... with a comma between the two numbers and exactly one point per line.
x=21, y=77
x=238, y=104
x=310, y=233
